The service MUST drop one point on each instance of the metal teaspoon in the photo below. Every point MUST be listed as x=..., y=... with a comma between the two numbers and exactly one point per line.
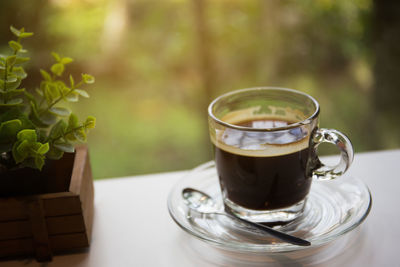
x=202, y=203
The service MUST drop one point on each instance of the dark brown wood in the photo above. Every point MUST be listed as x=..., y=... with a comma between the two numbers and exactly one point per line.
x=15, y=230
x=65, y=224
x=64, y=243
x=53, y=222
x=12, y=209
x=55, y=177
x=38, y=225
x=62, y=204
x=58, y=243
x=55, y=225
x=16, y=247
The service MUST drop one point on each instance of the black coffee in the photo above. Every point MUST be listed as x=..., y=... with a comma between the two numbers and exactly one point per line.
x=260, y=176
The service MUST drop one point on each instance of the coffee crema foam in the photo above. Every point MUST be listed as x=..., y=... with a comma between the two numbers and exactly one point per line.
x=260, y=144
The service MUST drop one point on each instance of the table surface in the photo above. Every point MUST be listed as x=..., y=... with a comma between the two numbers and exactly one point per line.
x=132, y=227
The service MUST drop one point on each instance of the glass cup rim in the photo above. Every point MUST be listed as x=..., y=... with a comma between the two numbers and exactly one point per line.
x=306, y=121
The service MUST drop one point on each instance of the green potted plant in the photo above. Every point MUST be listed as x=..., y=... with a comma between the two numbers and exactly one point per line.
x=46, y=187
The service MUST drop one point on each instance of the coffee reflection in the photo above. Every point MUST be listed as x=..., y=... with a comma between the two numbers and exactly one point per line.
x=263, y=170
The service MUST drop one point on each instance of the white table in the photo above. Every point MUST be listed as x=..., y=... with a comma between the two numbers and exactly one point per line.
x=132, y=227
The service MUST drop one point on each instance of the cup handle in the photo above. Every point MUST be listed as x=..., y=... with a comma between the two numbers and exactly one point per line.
x=342, y=142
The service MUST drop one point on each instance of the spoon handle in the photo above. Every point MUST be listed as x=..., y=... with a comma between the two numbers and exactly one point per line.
x=282, y=236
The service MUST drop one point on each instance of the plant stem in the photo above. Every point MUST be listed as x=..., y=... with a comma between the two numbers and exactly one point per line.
x=59, y=99
x=52, y=140
x=15, y=52
x=6, y=74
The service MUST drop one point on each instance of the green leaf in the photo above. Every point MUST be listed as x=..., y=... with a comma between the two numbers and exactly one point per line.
x=18, y=157
x=15, y=31
x=80, y=135
x=53, y=91
x=39, y=162
x=72, y=97
x=48, y=118
x=82, y=93
x=65, y=147
x=11, y=78
x=25, y=34
x=34, y=147
x=46, y=76
x=34, y=116
x=57, y=69
x=42, y=135
x=71, y=81
x=62, y=87
x=54, y=153
x=13, y=83
x=43, y=149
x=47, y=94
x=17, y=114
x=9, y=129
x=42, y=120
x=27, y=134
x=63, y=112
x=15, y=45
x=12, y=102
x=70, y=137
x=90, y=122
x=56, y=56
x=39, y=92
x=87, y=78
x=58, y=130
x=20, y=60
x=66, y=60
x=23, y=148
x=73, y=121
x=19, y=72
x=10, y=60
x=15, y=92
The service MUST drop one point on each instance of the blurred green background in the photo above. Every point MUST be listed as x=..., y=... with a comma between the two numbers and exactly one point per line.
x=159, y=63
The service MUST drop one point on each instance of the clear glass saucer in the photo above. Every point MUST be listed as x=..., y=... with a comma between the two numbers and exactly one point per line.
x=333, y=208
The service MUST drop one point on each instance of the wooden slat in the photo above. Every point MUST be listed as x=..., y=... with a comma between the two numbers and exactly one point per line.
x=12, y=209
x=67, y=205
x=61, y=243
x=15, y=229
x=55, y=204
x=58, y=243
x=65, y=224
x=16, y=247
x=55, y=226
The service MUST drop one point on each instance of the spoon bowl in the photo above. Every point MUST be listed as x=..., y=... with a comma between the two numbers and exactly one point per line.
x=199, y=201
x=202, y=203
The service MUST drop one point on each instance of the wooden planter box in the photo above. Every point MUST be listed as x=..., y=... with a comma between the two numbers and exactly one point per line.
x=47, y=212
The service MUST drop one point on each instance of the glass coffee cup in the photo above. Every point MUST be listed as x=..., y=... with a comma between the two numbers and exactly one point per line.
x=265, y=148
